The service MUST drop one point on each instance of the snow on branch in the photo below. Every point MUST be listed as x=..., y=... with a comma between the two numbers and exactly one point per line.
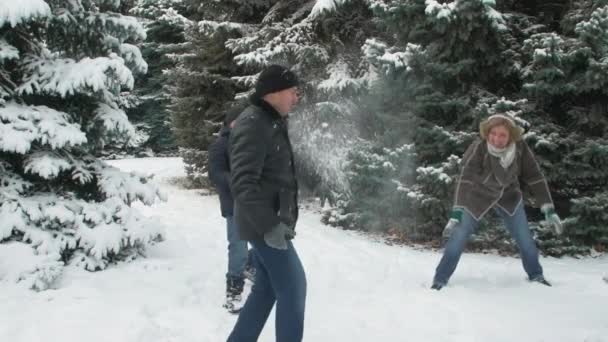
x=114, y=4
x=19, y=263
x=12, y=185
x=297, y=41
x=246, y=81
x=7, y=51
x=594, y=30
x=16, y=12
x=69, y=77
x=325, y=6
x=87, y=234
x=173, y=18
x=340, y=79
x=389, y=58
x=129, y=187
x=22, y=125
x=153, y=9
x=114, y=120
x=125, y=27
x=46, y=164
x=440, y=10
x=452, y=10
x=257, y=58
x=496, y=18
x=124, y=229
x=132, y=55
x=208, y=27
x=244, y=44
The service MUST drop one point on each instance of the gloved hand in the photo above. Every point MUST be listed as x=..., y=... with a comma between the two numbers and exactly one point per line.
x=552, y=217
x=455, y=218
x=277, y=237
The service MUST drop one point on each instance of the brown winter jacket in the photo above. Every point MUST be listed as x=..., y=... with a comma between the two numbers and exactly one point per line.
x=484, y=183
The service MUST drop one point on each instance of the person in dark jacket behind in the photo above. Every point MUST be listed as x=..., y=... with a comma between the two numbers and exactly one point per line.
x=219, y=174
x=494, y=170
x=266, y=209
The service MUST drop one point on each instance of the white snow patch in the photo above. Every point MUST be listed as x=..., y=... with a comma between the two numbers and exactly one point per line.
x=176, y=293
x=16, y=12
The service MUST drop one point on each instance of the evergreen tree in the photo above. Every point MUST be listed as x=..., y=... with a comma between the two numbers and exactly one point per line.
x=165, y=22
x=435, y=63
x=66, y=69
x=201, y=86
x=445, y=66
x=566, y=75
x=379, y=75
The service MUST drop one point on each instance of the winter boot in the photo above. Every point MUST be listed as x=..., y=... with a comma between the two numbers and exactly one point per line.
x=436, y=286
x=234, y=288
x=541, y=279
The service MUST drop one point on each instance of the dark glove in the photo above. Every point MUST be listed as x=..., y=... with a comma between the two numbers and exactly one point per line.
x=278, y=236
x=552, y=217
x=455, y=218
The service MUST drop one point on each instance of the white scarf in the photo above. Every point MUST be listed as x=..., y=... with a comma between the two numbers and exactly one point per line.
x=506, y=155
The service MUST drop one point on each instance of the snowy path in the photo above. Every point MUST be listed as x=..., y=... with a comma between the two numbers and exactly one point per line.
x=359, y=290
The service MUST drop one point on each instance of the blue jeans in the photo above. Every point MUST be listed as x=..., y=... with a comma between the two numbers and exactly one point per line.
x=517, y=226
x=279, y=278
x=237, y=251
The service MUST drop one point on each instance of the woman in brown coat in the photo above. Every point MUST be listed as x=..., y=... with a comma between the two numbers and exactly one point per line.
x=492, y=170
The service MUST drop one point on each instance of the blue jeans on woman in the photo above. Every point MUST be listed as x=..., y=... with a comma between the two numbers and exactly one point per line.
x=279, y=278
x=517, y=224
x=237, y=252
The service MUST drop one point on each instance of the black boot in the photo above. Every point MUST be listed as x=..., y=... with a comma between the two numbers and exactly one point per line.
x=234, y=286
x=436, y=286
x=540, y=279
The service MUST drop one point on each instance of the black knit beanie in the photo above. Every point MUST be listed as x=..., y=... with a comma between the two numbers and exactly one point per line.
x=274, y=78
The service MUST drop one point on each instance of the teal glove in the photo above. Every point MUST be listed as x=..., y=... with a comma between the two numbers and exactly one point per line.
x=552, y=217
x=455, y=218
x=278, y=236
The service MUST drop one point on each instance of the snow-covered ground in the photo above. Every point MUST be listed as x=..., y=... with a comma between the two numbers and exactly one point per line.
x=358, y=289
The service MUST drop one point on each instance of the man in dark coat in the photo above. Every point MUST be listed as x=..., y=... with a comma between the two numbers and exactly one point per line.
x=219, y=174
x=266, y=209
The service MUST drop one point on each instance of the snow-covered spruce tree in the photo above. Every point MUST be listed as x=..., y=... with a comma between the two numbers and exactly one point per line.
x=434, y=62
x=321, y=43
x=444, y=58
x=201, y=86
x=367, y=205
x=165, y=23
x=566, y=77
x=65, y=69
x=439, y=76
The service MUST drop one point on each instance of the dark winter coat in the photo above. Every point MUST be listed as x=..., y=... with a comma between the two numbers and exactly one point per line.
x=484, y=183
x=263, y=174
x=219, y=171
